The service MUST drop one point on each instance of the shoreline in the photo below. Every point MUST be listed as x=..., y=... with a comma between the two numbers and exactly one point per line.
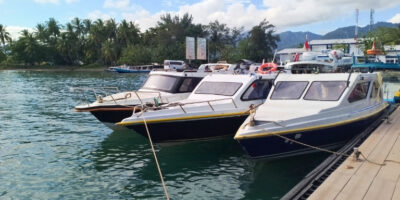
x=55, y=68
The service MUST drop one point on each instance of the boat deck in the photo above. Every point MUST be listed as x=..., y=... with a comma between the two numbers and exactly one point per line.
x=366, y=180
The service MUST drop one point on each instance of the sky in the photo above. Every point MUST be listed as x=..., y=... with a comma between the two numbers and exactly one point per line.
x=318, y=16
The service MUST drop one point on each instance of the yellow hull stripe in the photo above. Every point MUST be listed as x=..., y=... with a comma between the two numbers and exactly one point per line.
x=183, y=118
x=263, y=134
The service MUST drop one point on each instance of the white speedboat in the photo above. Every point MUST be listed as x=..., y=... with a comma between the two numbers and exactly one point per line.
x=161, y=87
x=320, y=62
x=323, y=110
x=217, y=107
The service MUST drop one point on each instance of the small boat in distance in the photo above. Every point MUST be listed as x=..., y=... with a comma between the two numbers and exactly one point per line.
x=320, y=62
x=217, y=107
x=135, y=69
x=322, y=110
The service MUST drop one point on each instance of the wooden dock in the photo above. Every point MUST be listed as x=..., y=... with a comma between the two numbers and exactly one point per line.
x=366, y=180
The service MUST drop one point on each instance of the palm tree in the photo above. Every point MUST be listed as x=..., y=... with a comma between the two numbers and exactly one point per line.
x=53, y=27
x=111, y=29
x=87, y=24
x=109, y=52
x=127, y=33
x=4, y=36
x=78, y=26
x=41, y=33
x=28, y=48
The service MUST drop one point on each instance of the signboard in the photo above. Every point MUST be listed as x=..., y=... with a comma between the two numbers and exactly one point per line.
x=201, y=49
x=190, y=51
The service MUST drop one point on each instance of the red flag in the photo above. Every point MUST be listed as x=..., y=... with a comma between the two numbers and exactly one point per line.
x=296, y=57
x=306, y=46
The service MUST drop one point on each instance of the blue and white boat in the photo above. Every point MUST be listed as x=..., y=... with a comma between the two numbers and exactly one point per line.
x=134, y=69
x=323, y=110
x=377, y=63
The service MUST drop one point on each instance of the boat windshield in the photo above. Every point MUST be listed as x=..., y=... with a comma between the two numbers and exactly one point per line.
x=325, y=90
x=160, y=82
x=289, y=90
x=218, y=88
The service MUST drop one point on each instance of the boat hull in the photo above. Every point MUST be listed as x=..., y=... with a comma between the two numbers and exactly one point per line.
x=272, y=146
x=193, y=129
x=109, y=114
x=119, y=70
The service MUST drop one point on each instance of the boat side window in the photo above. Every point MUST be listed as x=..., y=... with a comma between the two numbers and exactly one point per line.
x=359, y=92
x=160, y=82
x=259, y=89
x=375, y=90
x=285, y=90
x=188, y=84
x=218, y=88
x=325, y=90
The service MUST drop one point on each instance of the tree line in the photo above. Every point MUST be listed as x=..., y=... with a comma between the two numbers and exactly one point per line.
x=106, y=42
x=381, y=36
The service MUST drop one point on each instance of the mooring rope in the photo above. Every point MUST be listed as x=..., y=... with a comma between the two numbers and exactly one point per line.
x=155, y=156
x=336, y=153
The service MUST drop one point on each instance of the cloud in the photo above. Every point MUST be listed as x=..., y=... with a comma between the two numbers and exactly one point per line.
x=15, y=31
x=47, y=1
x=71, y=1
x=118, y=4
x=395, y=19
x=237, y=13
x=97, y=14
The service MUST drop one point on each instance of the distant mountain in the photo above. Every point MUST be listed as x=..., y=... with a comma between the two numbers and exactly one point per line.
x=348, y=32
x=291, y=39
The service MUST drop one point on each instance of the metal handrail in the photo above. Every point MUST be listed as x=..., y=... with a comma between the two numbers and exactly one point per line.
x=181, y=105
x=104, y=90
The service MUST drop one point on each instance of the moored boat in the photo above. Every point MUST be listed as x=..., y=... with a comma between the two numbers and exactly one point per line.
x=322, y=110
x=160, y=87
x=320, y=62
x=134, y=69
x=217, y=107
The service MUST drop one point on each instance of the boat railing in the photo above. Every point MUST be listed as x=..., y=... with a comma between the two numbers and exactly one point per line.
x=97, y=92
x=208, y=102
x=100, y=92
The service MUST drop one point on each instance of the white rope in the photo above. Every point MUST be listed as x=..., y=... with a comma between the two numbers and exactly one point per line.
x=155, y=156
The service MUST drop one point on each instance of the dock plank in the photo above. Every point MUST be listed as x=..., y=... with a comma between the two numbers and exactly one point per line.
x=339, y=184
x=386, y=180
x=359, y=184
x=396, y=193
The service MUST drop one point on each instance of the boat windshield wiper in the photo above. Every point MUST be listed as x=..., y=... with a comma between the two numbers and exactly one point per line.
x=348, y=78
x=280, y=69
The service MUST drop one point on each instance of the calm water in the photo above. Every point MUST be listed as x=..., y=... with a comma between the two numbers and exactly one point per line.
x=47, y=151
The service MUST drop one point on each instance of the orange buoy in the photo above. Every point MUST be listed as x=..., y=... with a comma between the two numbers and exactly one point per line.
x=267, y=68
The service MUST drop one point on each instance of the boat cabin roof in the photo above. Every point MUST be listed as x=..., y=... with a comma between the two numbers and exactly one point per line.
x=217, y=67
x=179, y=74
x=299, y=95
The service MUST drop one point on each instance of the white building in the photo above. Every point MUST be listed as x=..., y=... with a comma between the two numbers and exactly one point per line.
x=287, y=55
x=392, y=50
x=350, y=48
x=350, y=45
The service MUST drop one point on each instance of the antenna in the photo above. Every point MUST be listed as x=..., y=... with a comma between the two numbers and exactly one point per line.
x=371, y=19
x=356, y=28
